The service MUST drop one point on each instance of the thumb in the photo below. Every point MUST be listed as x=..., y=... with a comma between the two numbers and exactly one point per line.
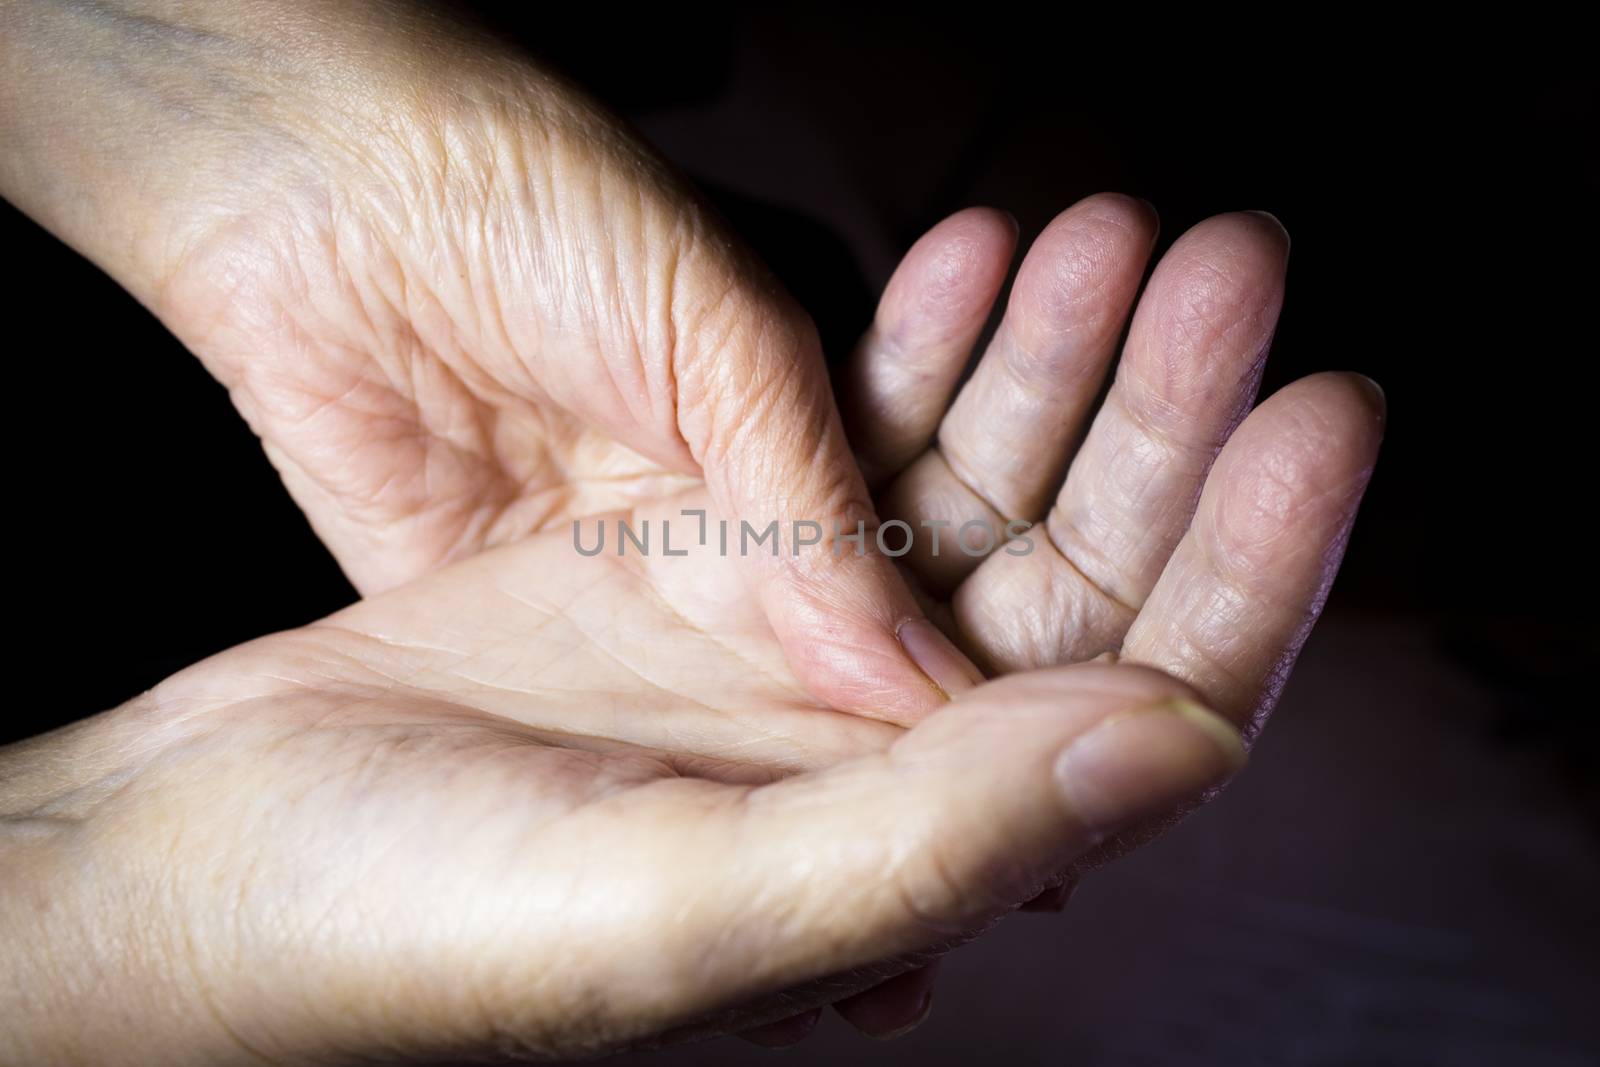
x=960, y=820
x=756, y=410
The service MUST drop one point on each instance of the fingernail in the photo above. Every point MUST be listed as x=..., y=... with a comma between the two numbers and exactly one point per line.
x=1277, y=223
x=1375, y=391
x=1138, y=764
x=924, y=1009
x=940, y=660
x=1270, y=217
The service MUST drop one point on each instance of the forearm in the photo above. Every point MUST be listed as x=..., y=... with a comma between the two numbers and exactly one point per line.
x=133, y=128
x=114, y=113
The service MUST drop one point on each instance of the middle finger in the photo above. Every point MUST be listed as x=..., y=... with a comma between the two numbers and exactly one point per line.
x=1004, y=445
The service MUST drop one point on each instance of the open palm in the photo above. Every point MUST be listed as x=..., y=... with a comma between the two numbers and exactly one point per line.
x=523, y=800
x=545, y=802
x=472, y=306
x=528, y=805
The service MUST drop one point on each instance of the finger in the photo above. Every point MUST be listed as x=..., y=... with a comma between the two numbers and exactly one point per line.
x=1247, y=582
x=1055, y=898
x=1188, y=374
x=757, y=413
x=898, y=382
x=893, y=1008
x=710, y=905
x=1190, y=370
x=1004, y=445
x=784, y=1032
x=968, y=814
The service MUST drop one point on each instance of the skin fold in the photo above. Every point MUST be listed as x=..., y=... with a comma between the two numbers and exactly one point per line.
x=519, y=801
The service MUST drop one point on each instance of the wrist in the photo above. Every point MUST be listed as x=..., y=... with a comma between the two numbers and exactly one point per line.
x=89, y=971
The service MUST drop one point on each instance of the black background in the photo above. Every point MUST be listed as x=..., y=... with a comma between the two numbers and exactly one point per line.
x=1442, y=210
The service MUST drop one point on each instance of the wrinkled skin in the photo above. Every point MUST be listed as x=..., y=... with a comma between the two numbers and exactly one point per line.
x=457, y=301
x=528, y=801
x=478, y=814
x=551, y=804
x=1147, y=541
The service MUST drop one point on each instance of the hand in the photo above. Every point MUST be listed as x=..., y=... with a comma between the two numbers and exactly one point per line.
x=458, y=302
x=1146, y=538
x=542, y=804
x=1332, y=432
x=560, y=804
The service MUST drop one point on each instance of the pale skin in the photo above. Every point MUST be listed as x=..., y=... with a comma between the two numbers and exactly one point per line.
x=517, y=801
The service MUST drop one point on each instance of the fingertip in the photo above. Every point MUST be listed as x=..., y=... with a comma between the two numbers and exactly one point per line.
x=1332, y=412
x=1354, y=406
x=948, y=280
x=995, y=220
x=1140, y=764
x=1271, y=225
x=1116, y=221
x=937, y=657
x=1134, y=212
x=1247, y=247
x=893, y=1008
x=1372, y=396
x=1078, y=279
x=836, y=624
x=1258, y=236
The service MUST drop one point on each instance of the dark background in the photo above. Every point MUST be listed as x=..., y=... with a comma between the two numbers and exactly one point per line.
x=1409, y=872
